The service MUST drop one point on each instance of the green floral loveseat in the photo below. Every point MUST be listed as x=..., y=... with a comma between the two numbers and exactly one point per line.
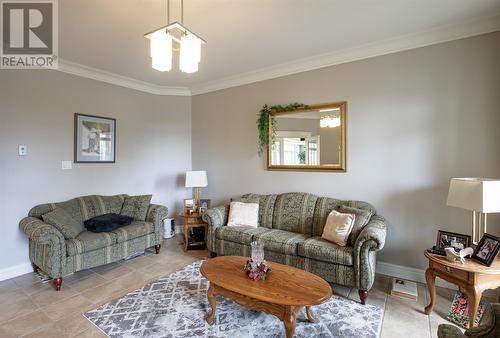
x=290, y=227
x=58, y=256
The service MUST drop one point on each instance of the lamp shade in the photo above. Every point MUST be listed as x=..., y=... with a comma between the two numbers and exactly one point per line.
x=196, y=179
x=190, y=55
x=478, y=194
x=161, y=51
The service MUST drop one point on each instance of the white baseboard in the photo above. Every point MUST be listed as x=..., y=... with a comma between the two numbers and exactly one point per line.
x=418, y=275
x=14, y=271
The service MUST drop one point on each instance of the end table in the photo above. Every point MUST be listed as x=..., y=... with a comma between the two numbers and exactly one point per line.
x=472, y=278
x=193, y=221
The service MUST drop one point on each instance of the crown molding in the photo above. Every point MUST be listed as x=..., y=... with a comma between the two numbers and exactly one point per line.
x=434, y=36
x=437, y=35
x=73, y=68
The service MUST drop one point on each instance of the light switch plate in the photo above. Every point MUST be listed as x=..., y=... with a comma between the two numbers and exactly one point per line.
x=66, y=165
x=22, y=150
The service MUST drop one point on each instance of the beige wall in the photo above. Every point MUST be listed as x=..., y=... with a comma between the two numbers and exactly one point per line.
x=415, y=119
x=153, y=147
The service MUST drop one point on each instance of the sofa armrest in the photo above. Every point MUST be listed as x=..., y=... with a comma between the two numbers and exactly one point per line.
x=449, y=331
x=156, y=214
x=372, y=235
x=41, y=232
x=215, y=217
x=48, y=250
x=488, y=323
x=370, y=240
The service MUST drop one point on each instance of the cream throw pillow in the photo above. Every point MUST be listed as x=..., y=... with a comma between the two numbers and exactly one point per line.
x=338, y=227
x=243, y=214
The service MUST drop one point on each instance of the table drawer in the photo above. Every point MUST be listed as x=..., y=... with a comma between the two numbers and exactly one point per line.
x=193, y=220
x=460, y=274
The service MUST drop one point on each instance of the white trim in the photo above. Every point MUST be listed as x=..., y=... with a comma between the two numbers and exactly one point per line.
x=437, y=35
x=119, y=80
x=14, y=271
x=418, y=275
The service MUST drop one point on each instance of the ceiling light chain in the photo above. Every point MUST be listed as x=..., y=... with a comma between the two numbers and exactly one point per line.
x=168, y=12
x=161, y=41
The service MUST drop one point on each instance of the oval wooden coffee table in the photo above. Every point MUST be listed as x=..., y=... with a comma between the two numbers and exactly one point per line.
x=284, y=293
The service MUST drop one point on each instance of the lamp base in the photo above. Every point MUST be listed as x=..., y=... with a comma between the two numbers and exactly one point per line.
x=479, y=224
x=196, y=197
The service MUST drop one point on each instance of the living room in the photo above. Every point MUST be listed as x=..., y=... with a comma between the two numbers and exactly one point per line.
x=179, y=116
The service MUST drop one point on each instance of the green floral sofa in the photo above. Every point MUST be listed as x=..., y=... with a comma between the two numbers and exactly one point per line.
x=290, y=226
x=50, y=252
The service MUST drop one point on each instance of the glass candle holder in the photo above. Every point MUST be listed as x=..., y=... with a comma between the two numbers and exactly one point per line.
x=257, y=252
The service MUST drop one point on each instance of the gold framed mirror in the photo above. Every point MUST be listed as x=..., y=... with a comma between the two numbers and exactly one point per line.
x=311, y=139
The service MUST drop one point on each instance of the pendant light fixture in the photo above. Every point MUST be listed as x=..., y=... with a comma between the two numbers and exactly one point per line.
x=161, y=45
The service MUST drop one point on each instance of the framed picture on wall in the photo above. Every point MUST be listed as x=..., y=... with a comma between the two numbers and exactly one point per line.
x=94, y=139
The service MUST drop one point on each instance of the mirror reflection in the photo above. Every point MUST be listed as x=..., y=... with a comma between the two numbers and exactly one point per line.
x=309, y=139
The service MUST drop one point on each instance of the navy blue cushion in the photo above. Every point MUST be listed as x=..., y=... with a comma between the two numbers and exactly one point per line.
x=107, y=222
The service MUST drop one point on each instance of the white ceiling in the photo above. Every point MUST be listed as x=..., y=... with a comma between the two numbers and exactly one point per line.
x=245, y=36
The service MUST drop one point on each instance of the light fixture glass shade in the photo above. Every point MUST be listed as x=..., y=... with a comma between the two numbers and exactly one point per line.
x=161, y=51
x=190, y=53
x=477, y=194
x=196, y=179
x=329, y=122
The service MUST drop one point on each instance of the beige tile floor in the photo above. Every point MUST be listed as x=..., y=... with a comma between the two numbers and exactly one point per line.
x=30, y=308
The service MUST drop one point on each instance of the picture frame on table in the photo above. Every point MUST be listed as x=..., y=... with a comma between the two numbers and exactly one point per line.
x=487, y=249
x=188, y=205
x=205, y=204
x=446, y=239
x=94, y=139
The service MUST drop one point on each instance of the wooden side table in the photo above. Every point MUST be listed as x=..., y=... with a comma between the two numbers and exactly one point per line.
x=472, y=278
x=193, y=221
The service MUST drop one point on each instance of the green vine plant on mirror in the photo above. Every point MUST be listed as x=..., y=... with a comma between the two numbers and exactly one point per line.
x=303, y=137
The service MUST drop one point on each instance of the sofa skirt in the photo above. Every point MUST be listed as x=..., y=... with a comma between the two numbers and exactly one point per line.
x=39, y=254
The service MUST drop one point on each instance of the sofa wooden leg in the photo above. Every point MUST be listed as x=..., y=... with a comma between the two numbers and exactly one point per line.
x=213, y=254
x=363, y=296
x=157, y=248
x=58, y=283
x=35, y=268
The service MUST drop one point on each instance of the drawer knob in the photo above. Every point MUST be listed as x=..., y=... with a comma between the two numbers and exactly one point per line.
x=448, y=269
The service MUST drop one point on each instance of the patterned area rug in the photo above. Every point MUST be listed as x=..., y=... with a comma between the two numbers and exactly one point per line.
x=175, y=306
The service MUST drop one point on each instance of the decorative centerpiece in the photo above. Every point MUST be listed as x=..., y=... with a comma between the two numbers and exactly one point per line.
x=257, y=268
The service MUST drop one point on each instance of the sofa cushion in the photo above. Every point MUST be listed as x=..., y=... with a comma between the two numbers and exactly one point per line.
x=243, y=214
x=83, y=208
x=338, y=227
x=62, y=220
x=239, y=234
x=324, y=206
x=134, y=230
x=294, y=212
x=362, y=218
x=266, y=207
x=136, y=207
x=281, y=241
x=321, y=250
x=89, y=241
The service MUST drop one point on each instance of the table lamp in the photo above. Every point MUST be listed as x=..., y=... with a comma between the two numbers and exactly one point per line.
x=481, y=195
x=196, y=180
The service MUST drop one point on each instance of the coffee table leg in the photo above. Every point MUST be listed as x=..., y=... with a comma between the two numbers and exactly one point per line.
x=211, y=299
x=290, y=321
x=310, y=317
